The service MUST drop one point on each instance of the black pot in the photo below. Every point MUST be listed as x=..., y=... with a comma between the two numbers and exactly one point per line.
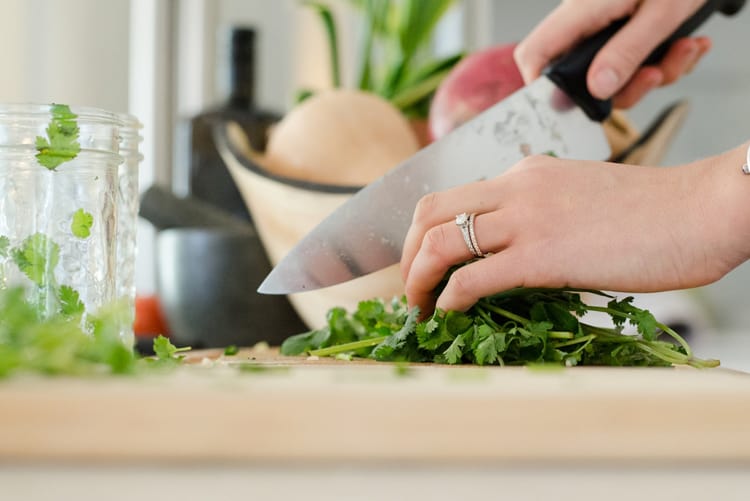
x=207, y=280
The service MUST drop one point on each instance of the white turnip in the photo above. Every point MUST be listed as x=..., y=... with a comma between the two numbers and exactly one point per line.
x=342, y=137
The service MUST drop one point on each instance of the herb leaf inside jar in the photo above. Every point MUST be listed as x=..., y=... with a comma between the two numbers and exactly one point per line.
x=61, y=143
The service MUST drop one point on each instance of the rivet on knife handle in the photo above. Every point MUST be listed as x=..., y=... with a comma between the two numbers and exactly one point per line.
x=569, y=72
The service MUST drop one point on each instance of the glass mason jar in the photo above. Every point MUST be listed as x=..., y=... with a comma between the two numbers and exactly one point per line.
x=58, y=206
x=127, y=221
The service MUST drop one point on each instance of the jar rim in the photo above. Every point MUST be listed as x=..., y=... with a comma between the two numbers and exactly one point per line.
x=87, y=114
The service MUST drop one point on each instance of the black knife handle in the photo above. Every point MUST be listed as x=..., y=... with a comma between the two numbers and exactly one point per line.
x=569, y=72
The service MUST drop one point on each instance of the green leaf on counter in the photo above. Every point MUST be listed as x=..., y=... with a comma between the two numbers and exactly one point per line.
x=165, y=351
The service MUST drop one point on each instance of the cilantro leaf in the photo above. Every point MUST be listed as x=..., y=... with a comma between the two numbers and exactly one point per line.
x=386, y=349
x=642, y=320
x=70, y=301
x=165, y=350
x=302, y=343
x=454, y=352
x=37, y=257
x=61, y=144
x=82, y=222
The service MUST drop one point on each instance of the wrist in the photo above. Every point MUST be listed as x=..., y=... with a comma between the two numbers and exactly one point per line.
x=726, y=202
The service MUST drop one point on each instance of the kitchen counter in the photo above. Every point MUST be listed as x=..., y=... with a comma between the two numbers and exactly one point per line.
x=331, y=427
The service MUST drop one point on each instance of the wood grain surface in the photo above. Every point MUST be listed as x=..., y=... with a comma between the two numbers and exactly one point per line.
x=261, y=406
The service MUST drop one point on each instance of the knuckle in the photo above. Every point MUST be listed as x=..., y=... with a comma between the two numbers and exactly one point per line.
x=461, y=282
x=425, y=208
x=435, y=241
x=624, y=61
x=528, y=163
x=411, y=289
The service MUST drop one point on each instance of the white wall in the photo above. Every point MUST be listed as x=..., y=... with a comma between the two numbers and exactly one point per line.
x=70, y=51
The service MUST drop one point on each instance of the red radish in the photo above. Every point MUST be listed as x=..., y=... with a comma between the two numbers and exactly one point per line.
x=480, y=80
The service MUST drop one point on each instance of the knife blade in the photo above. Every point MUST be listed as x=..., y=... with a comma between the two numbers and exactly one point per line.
x=554, y=114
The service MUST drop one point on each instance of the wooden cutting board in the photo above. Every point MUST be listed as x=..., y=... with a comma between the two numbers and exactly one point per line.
x=289, y=409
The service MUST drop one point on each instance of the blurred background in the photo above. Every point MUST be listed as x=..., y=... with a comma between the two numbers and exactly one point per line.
x=168, y=61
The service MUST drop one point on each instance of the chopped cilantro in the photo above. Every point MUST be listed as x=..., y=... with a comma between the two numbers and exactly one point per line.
x=521, y=326
x=166, y=351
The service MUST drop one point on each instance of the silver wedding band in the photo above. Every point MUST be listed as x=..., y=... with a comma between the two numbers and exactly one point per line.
x=466, y=223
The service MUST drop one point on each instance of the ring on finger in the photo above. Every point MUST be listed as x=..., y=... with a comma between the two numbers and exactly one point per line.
x=466, y=223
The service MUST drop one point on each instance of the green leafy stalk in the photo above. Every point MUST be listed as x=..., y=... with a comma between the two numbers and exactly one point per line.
x=326, y=16
x=393, y=46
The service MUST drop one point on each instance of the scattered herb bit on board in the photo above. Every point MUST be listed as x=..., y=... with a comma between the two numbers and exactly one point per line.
x=231, y=350
x=61, y=143
x=521, y=326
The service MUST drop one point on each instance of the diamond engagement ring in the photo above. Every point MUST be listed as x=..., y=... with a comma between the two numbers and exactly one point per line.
x=466, y=223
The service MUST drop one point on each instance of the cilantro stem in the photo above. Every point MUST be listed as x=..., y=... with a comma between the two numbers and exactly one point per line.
x=560, y=335
x=582, y=339
x=663, y=327
x=353, y=346
x=677, y=338
x=505, y=313
x=672, y=357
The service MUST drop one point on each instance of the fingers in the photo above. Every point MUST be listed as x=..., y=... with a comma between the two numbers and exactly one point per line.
x=443, y=246
x=616, y=63
x=479, y=279
x=644, y=81
x=562, y=29
x=679, y=60
x=438, y=208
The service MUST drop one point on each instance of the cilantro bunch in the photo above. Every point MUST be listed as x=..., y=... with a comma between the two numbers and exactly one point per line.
x=517, y=327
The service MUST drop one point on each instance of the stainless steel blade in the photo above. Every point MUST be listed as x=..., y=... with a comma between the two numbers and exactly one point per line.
x=366, y=234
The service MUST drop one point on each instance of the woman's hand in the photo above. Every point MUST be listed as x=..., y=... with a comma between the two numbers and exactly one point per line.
x=615, y=70
x=554, y=223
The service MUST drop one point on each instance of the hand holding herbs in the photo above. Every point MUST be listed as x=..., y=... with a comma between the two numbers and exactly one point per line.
x=517, y=327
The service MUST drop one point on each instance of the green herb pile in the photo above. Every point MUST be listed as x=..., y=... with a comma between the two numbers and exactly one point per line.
x=517, y=327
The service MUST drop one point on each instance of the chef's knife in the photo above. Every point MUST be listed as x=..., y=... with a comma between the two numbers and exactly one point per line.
x=556, y=113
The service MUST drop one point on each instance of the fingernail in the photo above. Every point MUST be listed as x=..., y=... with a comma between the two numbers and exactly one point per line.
x=605, y=83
